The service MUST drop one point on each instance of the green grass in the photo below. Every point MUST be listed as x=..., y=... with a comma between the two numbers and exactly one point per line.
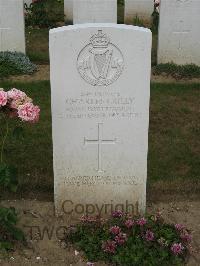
x=154, y=49
x=178, y=71
x=174, y=143
x=138, y=22
x=33, y=154
x=37, y=45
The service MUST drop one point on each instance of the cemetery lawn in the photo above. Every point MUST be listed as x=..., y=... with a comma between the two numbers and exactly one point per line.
x=37, y=45
x=174, y=143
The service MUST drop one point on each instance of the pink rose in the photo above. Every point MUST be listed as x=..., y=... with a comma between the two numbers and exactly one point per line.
x=115, y=230
x=177, y=248
x=14, y=104
x=149, y=235
x=142, y=221
x=179, y=227
x=15, y=94
x=129, y=223
x=3, y=98
x=109, y=246
x=29, y=112
x=121, y=239
x=117, y=214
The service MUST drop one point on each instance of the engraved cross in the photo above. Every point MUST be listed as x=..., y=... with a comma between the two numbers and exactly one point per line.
x=99, y=142
x=181, y=33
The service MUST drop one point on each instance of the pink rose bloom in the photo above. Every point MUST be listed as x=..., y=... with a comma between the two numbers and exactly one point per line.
x=129, y=223
x=177, y=248
x=115, y=230
x=142, y=221
x=15, y=94
x=29, y=112
x=109, y=246
x=121, y=239
x=179, y=227
x=149, y=236
x=86, y=218
x=90, y=263
x=117, y=214
x=3, y=98
x=14, y=104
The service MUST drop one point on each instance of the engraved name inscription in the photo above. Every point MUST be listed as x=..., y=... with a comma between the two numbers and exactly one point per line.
x=99, y=105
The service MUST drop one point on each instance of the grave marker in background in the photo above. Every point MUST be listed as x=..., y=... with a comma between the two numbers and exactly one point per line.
x=100, y=84
x=95, y=11
x=179, y=34
x=143, y=9
x=68, y=10
x=12, y=32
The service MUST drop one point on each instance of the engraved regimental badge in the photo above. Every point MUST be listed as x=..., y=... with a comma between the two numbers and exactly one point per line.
x=100, y=62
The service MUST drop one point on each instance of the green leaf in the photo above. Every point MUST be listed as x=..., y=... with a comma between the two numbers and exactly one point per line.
x=8, y=177
x=6, y=245
x=8, y=220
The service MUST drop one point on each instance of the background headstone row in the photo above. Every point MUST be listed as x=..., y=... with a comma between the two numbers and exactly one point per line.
x=178, y=36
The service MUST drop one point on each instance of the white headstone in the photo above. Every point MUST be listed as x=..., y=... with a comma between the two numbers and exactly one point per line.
x=179, y=33
x=12, y=33
x=68, y=10
x=100, y=84
x=95, y=11
x=143, y=9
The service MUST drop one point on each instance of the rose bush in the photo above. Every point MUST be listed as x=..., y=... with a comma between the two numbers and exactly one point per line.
x=14, y=104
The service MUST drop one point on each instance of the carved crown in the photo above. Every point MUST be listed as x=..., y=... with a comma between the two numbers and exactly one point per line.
x=99, y=40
